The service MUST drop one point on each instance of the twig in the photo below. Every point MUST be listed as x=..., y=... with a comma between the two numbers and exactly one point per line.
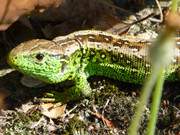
x=161, y=13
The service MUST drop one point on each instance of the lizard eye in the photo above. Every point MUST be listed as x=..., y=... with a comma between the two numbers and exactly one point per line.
x=39, y=56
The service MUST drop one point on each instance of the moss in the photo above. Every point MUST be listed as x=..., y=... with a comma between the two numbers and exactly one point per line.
x=77, y=126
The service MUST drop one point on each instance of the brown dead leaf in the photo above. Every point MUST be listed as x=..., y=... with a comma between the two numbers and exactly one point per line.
x=53, y=111
x=11, y=10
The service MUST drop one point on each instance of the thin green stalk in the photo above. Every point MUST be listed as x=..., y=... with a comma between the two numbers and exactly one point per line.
x=174, y=5
x=156, y=99
x=146, y=91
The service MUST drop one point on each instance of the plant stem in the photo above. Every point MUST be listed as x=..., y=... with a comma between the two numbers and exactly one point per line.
x=156, y=99
x=146, y=91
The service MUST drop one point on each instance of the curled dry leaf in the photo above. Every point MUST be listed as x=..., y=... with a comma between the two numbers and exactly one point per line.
x=11, y=10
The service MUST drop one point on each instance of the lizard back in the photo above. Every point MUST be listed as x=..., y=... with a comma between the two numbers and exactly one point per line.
x=113, y=56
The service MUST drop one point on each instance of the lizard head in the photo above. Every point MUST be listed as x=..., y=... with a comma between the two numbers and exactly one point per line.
x=41, y=59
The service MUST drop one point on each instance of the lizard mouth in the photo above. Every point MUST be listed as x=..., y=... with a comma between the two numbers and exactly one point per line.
x=13, y=55
x=10, y=60
x=14, y=61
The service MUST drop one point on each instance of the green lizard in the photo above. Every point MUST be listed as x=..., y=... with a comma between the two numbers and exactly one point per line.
x=82, y=54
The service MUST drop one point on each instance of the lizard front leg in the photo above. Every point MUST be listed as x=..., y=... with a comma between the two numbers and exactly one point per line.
x=80, y=89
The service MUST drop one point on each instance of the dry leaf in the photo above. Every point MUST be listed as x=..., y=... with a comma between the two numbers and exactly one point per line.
x=53, y=111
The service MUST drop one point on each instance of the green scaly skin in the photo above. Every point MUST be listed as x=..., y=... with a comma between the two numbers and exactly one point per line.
x=82, y=54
